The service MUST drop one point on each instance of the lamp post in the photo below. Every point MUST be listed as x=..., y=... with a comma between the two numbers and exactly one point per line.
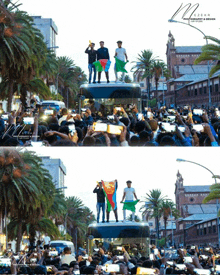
x=175, y=21
x=163, y=85
x=213, y=175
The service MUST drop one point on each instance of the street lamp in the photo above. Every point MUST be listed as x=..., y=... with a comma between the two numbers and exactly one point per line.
x=213, y=176
x=175, y=21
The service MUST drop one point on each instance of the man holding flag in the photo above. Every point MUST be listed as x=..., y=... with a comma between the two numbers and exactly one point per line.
x=120, y=55
x=129, y=203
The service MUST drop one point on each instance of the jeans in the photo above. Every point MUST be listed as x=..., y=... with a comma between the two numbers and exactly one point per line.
x=116, y=74
x=100, y=205
x=90, y=67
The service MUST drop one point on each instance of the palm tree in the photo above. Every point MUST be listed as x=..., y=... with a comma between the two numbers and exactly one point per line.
x=143, y=67
x=167, y=208
x=31, y=187
x=78, y=218
x=153, y=201
x=210, y=52
x=159, y=69
x=17, y=43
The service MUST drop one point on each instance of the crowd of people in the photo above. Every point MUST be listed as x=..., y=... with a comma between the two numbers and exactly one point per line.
x=129, y=127
x=191, y=260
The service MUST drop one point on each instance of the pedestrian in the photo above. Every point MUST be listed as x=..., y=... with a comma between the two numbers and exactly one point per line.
x=121, y=54
x=102, y=53
x=100, y=201
x=92, y=56
x=46, y=241
x=129, y=194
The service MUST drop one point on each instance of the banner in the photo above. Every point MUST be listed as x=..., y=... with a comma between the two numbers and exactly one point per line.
x=130, y=205
x=102, y=64
x=120, y=65
x=110, y=188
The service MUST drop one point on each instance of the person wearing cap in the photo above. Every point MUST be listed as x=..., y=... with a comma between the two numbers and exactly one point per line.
x=129, y=194
x=100, y=201
x=92, y=56
x=121, y=54
x=102, y=53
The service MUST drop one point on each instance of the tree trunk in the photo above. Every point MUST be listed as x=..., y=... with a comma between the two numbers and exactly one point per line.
x=10, y=95
x=19, y=236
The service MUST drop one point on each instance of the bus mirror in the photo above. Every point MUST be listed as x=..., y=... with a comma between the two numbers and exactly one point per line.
x=91, y=237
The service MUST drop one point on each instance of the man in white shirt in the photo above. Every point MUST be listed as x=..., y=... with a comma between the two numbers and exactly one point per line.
x=46, y=241
x=67, y=258
x=129, y=194
x=65, y=116
x=121, y=54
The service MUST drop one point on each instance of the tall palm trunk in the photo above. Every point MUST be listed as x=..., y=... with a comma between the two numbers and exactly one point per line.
x=10, y=95
x=19, y=234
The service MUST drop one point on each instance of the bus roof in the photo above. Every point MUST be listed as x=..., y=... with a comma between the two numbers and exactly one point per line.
x=111, y=84
x=120, y=223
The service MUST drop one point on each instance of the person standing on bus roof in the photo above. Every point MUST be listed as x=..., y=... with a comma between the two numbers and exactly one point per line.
x=129, y=194
x=100, y=201
x=102, y=53
x=121, y=54
x=92, y=56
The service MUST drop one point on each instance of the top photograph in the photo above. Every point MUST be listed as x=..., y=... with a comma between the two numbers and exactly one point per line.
x=73, y=80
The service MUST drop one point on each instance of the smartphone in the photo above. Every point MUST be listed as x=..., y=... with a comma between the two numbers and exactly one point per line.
x=115, y=129
x=100, y=127
x=151, y=257
x=49, y=268
x=140, y=116
x=119, y=248
x=28, y=120
x=155, y=251
x=180, y=266
x=207, y=249
x=193, y=247
x=187, y=259
x=48, y=112
x=168, y=127
x=198, y=112
x=144, y=270
x=112, y=268
x=171, y=118
x=182, y=128
x=202, y=271
x=72, y=129
x=110, y=117
x=83, y=110
x=53, y=253
x=120, y=257
x=198, y=127
x=4, y=117
x=118, y=108
x=149, y=114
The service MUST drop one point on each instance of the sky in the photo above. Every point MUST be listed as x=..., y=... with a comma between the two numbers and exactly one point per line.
x=140, y=24
x=148, y=168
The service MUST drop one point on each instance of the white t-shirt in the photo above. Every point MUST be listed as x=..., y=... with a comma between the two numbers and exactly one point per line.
x=67, y=259
x=129, y=194
x=46, y=240
x=121, y=53
x=64, y=117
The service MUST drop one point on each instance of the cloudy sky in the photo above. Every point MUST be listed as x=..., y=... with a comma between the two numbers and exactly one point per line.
x=140, y=24
x=147, y=168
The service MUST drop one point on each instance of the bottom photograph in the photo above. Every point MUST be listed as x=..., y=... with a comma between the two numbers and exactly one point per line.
x=101, y=211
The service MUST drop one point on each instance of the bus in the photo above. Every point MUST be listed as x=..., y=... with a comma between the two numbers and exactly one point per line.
x=53, y=104
x=103, y=97
x=134, y=236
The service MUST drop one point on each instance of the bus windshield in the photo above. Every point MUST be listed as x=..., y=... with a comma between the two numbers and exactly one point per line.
x=104, y=97
x=133, y=236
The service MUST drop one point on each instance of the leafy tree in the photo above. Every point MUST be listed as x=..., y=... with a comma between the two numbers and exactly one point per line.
x=210, y=52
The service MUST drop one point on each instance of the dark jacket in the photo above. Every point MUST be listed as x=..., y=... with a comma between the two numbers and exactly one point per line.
x=100, y=194
x=102, y=53
x=91, y=55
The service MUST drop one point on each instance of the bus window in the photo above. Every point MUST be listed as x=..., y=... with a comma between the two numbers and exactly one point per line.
x=133, y=236
x=104, y=97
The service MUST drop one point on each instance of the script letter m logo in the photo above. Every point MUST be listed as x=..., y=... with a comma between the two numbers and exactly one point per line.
x=189, y=7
